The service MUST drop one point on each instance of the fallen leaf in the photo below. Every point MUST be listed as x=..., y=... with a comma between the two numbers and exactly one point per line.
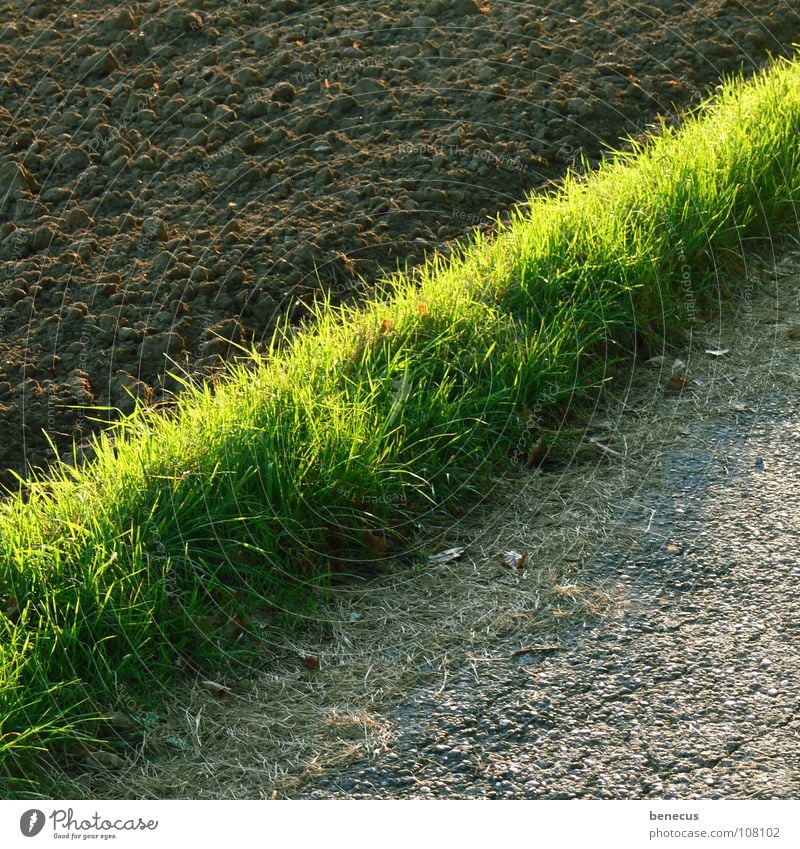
x=121, y=721
x=673, y=548
x=106, y=759
x=387, y=325
x=375, y=541
x=569, y=590
x=513, y=559
x=675, y=385
x=447, y=556
x=219, y=690
x=718, y=352
x=311, y=661
x=537, y=453
x=423, y=309
x=11, y=609
x=559, y=613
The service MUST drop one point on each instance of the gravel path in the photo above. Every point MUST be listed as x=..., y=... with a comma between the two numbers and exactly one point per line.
x=690, y=688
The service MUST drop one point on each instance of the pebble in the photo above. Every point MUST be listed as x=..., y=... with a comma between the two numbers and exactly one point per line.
x=283, y=92
x=99, y=64
x=155, y=228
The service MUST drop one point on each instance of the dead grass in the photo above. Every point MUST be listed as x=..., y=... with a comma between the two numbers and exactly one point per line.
x=406, y=630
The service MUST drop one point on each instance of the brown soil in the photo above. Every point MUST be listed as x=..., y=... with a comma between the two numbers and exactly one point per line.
x=176, y=177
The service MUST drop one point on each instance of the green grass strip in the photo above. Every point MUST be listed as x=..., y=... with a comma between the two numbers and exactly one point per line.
x=252, y=493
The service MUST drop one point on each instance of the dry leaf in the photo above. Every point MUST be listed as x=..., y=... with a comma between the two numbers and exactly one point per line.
x=387, y=325
x=447, y=556
x=513, y=559
x=121, y=721
x=311, y=661
x=675, y=385
x=375, y=541
x=11, y=609
x=423, y=309
x=106, y=759
x=537, y=453
x=673, y=548
x=219, y=690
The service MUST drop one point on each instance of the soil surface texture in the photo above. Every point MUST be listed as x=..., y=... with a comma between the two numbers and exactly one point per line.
x=175, y=178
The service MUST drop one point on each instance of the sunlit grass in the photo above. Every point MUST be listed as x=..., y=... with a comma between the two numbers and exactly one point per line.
x=306, y=462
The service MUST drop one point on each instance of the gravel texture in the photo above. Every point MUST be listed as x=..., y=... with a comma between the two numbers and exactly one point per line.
x=690, y=691
x=174, y=177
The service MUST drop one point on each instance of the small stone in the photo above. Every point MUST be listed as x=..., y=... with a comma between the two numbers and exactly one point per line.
x=99, y=64
x=423, y=22
x=494, y=92
x=772, y=692
x=195, y=119
x=43, y=237
x=155, y=228
x=199, y=274
x=283, y=93
x=463, y=7
x=121, y=22
x=577, y=106
x=186, y=21
x=77, y=219
x=367, y=86
x=14, y=178
x=145, y=79
x=73, y=159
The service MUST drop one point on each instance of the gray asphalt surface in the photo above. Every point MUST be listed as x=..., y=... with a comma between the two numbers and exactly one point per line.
x=690, y=690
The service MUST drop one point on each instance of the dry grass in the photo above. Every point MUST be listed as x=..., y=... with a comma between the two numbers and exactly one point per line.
x=288, y=723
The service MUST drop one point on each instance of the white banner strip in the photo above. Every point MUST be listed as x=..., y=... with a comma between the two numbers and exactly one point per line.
x=415, y=823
